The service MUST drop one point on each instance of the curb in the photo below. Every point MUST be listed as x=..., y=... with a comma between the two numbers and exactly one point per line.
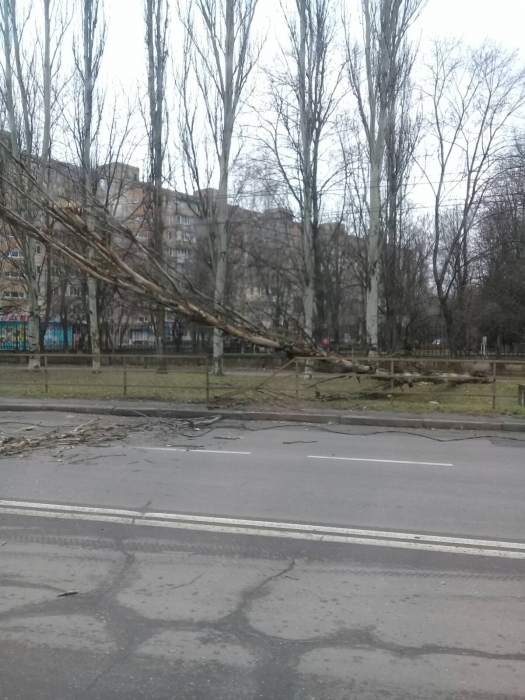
x=319, y=418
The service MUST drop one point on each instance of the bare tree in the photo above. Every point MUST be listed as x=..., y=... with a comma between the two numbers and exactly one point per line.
x=31, y=81
x=404, y=250
x=498, y=259
x=474, y=95
x=375, y=75
x=87, y=69
x=156, y=19
x=12, y=48
x=223, y=60
x=305, y=93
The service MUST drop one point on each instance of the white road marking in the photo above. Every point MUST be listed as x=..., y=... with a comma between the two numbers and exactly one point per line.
x=189, y=449
x=78, y=509
x=67, y=516
x=383, y=461
x=260, y=532
x=267, y=528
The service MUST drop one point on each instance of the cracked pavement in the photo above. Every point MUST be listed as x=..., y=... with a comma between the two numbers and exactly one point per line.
x=193, y=615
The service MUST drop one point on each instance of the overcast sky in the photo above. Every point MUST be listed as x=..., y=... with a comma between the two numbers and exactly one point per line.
x=473, y=20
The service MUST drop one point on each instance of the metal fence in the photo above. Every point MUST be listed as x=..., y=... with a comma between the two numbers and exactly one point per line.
x=141, y=340
x=190, y=379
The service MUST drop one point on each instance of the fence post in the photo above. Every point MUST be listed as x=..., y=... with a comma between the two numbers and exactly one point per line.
x=296, y=378
x=391, y=382
x=494, y=385
x=207, y=378
x=46, y=377
x=125, y=378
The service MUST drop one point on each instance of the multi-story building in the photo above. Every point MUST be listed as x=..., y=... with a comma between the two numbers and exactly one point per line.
x=264, y=273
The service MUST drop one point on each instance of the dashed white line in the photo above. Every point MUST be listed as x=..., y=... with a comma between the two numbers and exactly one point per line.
x=189, y=449
x=383, y=461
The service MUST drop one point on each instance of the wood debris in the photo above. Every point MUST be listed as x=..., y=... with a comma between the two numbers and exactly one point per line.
x=90, y=433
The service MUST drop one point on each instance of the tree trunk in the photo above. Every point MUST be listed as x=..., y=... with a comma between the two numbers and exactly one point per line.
x=372, y=297
x=308, y=233
x=155, y=44
x=221, y=258
x=89, y=25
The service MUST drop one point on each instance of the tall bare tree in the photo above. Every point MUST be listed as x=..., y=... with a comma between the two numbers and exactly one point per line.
x=223, y=58
x=305, y=93
x=375, y=74
x=87, y=68
x=157, y=19
x=474, y=95
x=31, y=70
x=403, y=245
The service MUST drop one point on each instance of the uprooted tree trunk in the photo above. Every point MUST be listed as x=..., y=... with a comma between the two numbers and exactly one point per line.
x=401, y=376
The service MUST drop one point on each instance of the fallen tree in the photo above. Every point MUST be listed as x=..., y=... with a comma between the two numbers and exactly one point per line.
x=119, y=259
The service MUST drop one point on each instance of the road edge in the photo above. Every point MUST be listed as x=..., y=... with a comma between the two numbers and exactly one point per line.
x=445, y=423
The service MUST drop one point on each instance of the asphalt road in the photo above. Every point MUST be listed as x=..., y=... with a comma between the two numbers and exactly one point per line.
x=261, y=562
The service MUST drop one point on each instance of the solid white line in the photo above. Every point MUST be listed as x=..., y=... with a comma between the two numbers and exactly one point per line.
x=337, y=530
x=383, y=461
x=189, y=449
x=310, y=536
x=301, y=527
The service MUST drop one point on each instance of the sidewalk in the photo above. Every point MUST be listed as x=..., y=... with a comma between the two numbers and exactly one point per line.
x=441, y=421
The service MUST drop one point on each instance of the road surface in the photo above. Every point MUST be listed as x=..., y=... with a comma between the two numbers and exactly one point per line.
x=261, y=561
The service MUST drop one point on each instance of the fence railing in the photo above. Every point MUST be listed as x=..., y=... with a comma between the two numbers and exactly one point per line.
x=254, y=379
x=118, y=339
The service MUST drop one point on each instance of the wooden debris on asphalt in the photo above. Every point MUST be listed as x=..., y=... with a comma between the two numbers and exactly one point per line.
x=93, y=434
x=90, y=433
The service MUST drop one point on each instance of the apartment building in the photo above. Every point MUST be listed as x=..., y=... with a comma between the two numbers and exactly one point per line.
x=264, y=257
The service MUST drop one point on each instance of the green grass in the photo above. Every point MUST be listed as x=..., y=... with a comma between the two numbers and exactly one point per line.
x=234, y=390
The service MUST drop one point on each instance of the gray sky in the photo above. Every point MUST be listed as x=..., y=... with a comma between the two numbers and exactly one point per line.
x=473, y=20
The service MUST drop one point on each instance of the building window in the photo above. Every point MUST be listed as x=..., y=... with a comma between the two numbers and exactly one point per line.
x=142, y=235
x=15, y=254
x=13, y=275
x=75, y=290
x=172, y=252
x=186, y=220
x=14, y=295
x=38, y=249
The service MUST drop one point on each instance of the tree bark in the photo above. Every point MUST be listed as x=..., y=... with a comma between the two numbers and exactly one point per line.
x=89, y=27
x=156, y=49
x=221, y=253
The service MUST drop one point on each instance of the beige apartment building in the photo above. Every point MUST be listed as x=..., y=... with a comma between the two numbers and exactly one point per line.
x=258, y=288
